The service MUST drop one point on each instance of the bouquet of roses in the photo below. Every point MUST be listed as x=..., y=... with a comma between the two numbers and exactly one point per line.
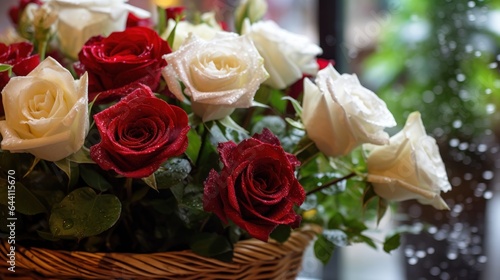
x=124, y=133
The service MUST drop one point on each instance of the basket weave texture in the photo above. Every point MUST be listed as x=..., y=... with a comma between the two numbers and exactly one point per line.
x=253, y=259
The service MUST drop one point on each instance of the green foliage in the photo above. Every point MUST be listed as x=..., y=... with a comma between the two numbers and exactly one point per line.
x=22, y=199
x=212, y=245
x=323, y=249
x=444, y=73
x=83, y=213
x=392, y=242
x=281, y=233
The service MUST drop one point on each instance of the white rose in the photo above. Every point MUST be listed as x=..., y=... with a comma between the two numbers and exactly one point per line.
x=219, y=75
x=287, y=56
x=205, y=30
x=410, y=167
x=81, y=19
x=339, y=114
x=45, y=112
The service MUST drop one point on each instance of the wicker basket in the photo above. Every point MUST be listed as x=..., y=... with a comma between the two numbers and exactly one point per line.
x=253, y=259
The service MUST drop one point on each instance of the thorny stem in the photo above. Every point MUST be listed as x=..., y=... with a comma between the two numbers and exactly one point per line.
x=332, y=182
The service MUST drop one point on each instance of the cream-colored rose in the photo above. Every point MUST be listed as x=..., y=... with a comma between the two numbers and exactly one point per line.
x=81, y=19
x=219, y=75
x=45, y=112
x=205, y=30
x=287, y=56
x=410, y=167
x=340, y=114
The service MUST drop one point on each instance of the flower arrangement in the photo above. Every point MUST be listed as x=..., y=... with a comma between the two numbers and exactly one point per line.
x=125, y=134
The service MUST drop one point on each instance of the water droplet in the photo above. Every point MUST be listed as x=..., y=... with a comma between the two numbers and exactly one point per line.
x=488, y=195
x=454, y=142
x=452, y=255
x=482, y=259
x=420, y=254
x=435, y=271
x=430, y=250
x=457, y=124
x=490, y=108
x=412, y=261
x=71, y=197
x=68, y=224
x=471, y=4
x=460, y=77
x=57, y=231
x=488, y=175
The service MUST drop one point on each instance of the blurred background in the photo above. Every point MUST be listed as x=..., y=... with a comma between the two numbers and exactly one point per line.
x=442, y=59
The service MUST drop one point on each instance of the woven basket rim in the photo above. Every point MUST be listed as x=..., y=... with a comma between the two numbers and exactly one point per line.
x=253, y=259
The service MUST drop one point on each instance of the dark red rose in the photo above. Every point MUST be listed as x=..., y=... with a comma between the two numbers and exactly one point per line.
x=133, y=56
x=19, y=56
x=15, y=12
x=297, y=88
x=256, y=188
x=174, y=12
x=139, y=133
x=133, y=21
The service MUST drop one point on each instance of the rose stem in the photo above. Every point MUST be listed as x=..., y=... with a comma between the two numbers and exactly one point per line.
x=332, y=182
x=162, y=20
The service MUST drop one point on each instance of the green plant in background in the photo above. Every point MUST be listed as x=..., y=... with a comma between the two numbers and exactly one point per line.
x=439, y=57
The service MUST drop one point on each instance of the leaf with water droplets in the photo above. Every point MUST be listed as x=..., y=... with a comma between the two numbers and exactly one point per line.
x=172, y=173
x=84, y=213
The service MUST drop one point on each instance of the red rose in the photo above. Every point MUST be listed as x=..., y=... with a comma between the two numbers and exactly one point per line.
x=133, y=21
x=256, y=188
x=297, y=88
x=139, y=133
x=19, y=56
x=175, y=12
x=123, y=58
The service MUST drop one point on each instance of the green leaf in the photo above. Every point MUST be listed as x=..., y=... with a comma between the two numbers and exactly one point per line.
x=6, y=67
x=368, y=195
x=150, y=181
x=392, y=242
x=70, y=169
x=337, y=237
x=274, y=123
x=171, y=36
x=368, y=241
x=172, y=173
x=294, y=123
x=323, y=249
x=381, y=209
x=355, y=226
x=295, y=104
x=81, y=156
x=228, y=122
x=83, y=213
x=281, y=233
x=20, y=198
x=212, y=245
x=193, y=149
x=336, y=221
x=93, y=178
